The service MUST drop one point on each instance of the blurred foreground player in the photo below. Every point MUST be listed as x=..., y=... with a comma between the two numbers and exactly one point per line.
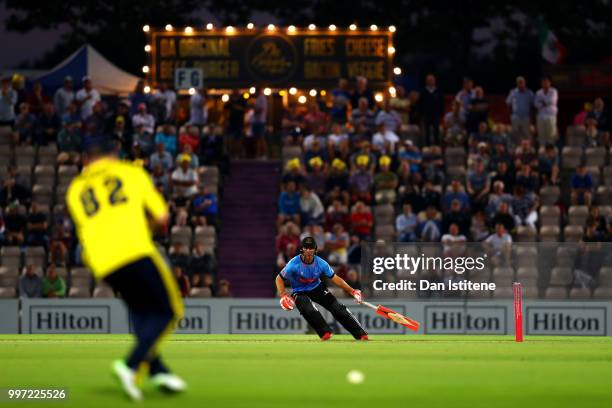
x=303, y=272
x=112, y=203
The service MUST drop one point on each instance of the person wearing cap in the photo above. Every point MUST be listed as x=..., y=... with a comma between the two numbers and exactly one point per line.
x=315, y=150
x=304, y=273
x=167, y=136
x=293, y=172
x=204, y=207
x=337, y=184
x=317, y=176
x=144, y=118
x=385, y=182
x=184, y=181
x=64, y=96
x=8, y=100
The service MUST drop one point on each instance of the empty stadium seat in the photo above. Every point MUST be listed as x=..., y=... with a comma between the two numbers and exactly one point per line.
x=550, y=215
x=525, y=233
x=595, y=156
x=577, y=214
x=550, y=233
x=79, y=292
x=549, y=195
x=575, y=135
x=561, y=276
x=571, y=157
x=200, y=293
x=7, y=292
x=11, y=256
x=573, y=233
x=580, y=293
x=556, y=293
x=36, y=256
x=25, y=156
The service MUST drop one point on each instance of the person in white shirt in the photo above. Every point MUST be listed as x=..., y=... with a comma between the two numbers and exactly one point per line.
x=385, y=140
x=144, y=118
x=64, y=97
x=199, y=108
x=500, y=242
x=546, y=105
x=167, y=98
x=453, y=241
x=87, y=97
x=184, y=180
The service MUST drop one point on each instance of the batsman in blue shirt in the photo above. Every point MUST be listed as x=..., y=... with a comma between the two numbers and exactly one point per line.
x=304, y=273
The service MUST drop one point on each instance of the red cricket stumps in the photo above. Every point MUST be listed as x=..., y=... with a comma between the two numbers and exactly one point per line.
x=518, y=311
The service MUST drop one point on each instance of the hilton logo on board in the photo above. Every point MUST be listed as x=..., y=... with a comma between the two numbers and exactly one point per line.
x=470, y=320
x=264, y=319
x=69, y=319
x=576, y=321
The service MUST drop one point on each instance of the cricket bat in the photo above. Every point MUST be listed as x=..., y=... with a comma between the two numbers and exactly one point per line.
x=394, y=316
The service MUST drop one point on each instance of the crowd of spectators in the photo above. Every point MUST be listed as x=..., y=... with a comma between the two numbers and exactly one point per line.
x=404, y=169
x=43, y=135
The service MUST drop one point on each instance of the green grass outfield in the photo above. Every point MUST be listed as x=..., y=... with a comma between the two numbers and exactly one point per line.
x=291, y=371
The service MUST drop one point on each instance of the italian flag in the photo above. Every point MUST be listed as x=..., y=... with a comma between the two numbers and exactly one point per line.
x=552, y=49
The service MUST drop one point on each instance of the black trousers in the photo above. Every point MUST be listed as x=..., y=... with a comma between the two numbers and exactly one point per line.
x=322, y=296
x=149, y=300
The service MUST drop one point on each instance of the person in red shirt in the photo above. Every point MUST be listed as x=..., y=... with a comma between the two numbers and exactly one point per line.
x=190, y=137
x=361, y=220
x=288, y=234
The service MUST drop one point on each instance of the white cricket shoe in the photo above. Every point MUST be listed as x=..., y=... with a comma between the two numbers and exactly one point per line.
x=127, y=378
x=169, y=382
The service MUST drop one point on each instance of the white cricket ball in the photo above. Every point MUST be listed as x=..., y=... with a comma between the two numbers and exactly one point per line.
x=355, y=377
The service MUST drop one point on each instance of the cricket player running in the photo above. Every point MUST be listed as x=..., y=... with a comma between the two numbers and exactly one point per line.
x=112, y=203
x=303, y=272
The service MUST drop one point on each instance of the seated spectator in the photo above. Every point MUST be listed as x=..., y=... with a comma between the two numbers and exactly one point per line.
x=95, y=124
x=452, y=239
x=385, y=182
x=288, y=205
x=500, y=154
x=191, y=137
x=455, y=192
x=433, y=165
x=143, y=139
x=406, y=224
x=289, y=233
x=37, y=99
x=525, y=154
x=337, y=213
x=314, y=118
x=15, y=225
x=195, y=160
x=526, y=178
x=161, y=180
x=282, y=258
x=600, y=115
x=184, y=181
x=504, y=175
x=25, y=125
x=146, y=120
x=504, y=215
x=595, y=218
x=294, y=173
x=223, y=289
x=549, y=165
x=389, y=118
x=500, y=243
x=591, y=234
x=431, y=195
x=361, y=181
x=336, y=243
x=311, y=208
x=362, y=115
x=121, y=136
x=47, y=126
x=161, y=157
x=315, y=150
x=341, y=98
x=580, y=117
x=69, y=144
x=179, y=255
x=525, y=207
x=412, y=155
x=62, y=239
x=167, y=137
x=478, y=184
x=458, y=217
x=338, y=140
x=53, y=285
x=497, y=196
x=479, y=231
x=361, y=221
x=582, y=186
x=201, y=262
x=37, y=226
x=204, y=209
x=337, y=184
x=14, y=187
x=317, y=177
x=138, y=97
x=182, y=280
x=429, y=229
x=480, y=154
x=30, y=284
x=292, y=125
x=454, y=125
x=207, y=282
x=365, y=149
x=385, y=140
x=481, y=135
